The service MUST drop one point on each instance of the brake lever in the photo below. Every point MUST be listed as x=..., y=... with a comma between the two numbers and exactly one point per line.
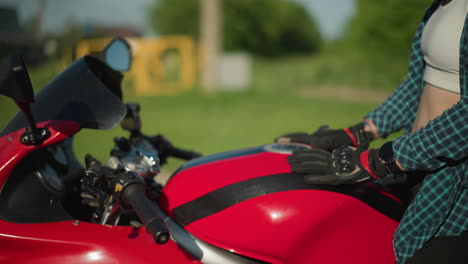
x=88, y=183
x=95, y=184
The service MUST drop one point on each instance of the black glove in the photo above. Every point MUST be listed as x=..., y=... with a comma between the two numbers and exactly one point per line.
x=345, y=165
x=329, y=139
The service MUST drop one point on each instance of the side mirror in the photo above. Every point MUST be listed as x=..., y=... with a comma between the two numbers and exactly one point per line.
x=14, y=80
x=118, y=55
x=15, y=83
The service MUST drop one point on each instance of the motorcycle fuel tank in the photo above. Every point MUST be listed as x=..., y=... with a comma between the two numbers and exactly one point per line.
x=249, y=203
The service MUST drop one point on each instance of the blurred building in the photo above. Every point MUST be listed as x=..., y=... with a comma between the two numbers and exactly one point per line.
x=13, y=38
x=99, y=31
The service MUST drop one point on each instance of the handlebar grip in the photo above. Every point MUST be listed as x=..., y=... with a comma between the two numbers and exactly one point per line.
x=184, y=154
x=158, y=230
x=134, y=196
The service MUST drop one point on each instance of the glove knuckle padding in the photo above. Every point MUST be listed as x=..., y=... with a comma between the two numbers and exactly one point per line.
x=347, y=165
x=342, y=166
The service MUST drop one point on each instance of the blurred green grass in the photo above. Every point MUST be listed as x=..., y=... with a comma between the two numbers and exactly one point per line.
x=336, y=65
x=275, y=104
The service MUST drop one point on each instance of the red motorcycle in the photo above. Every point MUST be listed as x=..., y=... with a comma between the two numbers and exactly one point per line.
x=241, y=206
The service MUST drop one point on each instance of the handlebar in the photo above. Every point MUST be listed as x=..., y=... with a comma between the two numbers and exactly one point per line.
x=166, y=149
x=134, y=196
x=128, y=189
x=184, y=154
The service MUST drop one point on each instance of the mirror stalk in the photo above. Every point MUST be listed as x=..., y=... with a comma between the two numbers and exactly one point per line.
x=33, y=135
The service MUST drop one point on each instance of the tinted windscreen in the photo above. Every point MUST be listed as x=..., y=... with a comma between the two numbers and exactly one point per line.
x=85, y=93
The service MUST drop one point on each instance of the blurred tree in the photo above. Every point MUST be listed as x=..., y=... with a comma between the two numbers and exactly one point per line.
x=384, y=29
x=262, y=27
x=69, y=38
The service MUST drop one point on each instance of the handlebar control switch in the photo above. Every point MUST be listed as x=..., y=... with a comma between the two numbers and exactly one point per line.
x=122, y=181
x=129, y=190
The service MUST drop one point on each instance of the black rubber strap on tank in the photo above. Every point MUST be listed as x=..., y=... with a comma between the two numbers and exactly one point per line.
x=230, y=195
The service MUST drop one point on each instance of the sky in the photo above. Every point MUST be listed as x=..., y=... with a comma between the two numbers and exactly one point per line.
x=331, y=15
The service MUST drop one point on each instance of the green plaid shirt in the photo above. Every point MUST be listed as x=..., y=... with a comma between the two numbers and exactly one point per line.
x=441, y=148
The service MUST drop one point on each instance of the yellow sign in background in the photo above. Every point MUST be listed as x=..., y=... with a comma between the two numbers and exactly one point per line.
x=163, y=65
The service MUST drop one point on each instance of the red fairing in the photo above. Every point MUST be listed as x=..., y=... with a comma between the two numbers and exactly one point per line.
x=294, y=226
x=81, y=242
x=12, y=151
x=301, y=227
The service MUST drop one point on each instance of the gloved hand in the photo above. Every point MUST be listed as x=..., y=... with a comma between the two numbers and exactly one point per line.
x=345, y=165
x=329, y=139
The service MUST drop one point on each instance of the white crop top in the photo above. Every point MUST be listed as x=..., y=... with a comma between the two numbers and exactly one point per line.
x=440, y=43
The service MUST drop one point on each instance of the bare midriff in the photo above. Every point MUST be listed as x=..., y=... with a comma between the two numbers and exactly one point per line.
x=433, y=102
